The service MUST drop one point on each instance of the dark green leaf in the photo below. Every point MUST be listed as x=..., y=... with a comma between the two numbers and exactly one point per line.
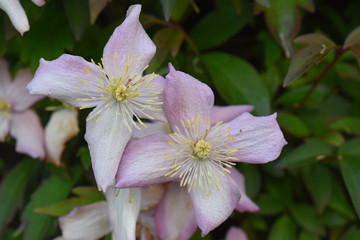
x=95, y=7
x=84, y=155
x=237, y=81
x=349, y=125
x=167, y=6
x=283, y=228
x=307, y=218
x=307, y=236
x=352, y=234
x=292, y=124
x=78, y=16
x=331, y=218
x=252, y=179
x=309, y=152
x=12, y=189
x=340, y=203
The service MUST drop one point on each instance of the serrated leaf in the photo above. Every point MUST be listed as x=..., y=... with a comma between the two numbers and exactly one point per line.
x=317, y=48
x=237, y=81
x=306, y=217
x=352, y=41
x=52, y=190
x=349, y=125
x=167, y=6
x=283, y=228
x=95, y=8
x=78, y=16
x=210, y=31
x=309, y=152
x=86, y=195
x=293, y=124
x=12, y=189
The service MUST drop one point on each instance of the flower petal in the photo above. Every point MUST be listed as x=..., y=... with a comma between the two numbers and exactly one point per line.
x=151, y=196
x=18, y=96
x=129, y=40
x=228, y=113
x=4, y=127
x=147, y=228
x=16, y=14
x=70, y=79
x=185, y=97
x=245, y=204
x=26, y=128
x=175, y=217
x=86, y=222
x=235, y=233
x=258, y=139
x=5, y=80
x=214, y=207
x=107, y=137
x=62, y=126
x=39, y=2
x=152, y=128
x=144, y=162
x=124, y=208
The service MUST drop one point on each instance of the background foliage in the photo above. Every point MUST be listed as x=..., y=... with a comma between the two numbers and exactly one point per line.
x=246, y=51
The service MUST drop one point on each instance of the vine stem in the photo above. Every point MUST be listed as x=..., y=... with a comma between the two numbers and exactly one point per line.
x=339, y=52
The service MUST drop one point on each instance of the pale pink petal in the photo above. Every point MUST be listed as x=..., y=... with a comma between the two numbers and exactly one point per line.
x=144, y=162
x=124, y=208
x=62, y=126
x=235, y=233
x=185, y=97
x=18, y=96
x=107, y=137
x=151, y=196
x=86, y=222
x=26, y=128
x=155, y=110
x=147, y=228
x=70, y=79
x=228, y=113
x=5, y=80
x=213, y=207
x=129, y=40
x=152, y=128
x=16, y=14
x=258, y=139
x=4, y=126
x=245, y=204
x=39, y=2
x=175, y=217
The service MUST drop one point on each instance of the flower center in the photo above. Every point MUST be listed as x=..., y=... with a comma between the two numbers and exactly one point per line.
x=4, y=105
x=202, y=149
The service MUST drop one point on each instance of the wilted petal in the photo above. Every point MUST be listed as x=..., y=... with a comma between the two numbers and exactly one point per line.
x=39, y=2
x=18, y=96
x=107, y=137
x=124, y=208
x=214, y=207
x=62, y=126
x=5, y=80
x=16, y=14
x=4, y=126
x=185, y=98
x=129, y=40
x=26, y=128
x=245, y=204
x=70, y=79
x=228, y=113
x=258, y=139
x=86, y=222
x=235, y=233
x=144, y=162
x=175, y=217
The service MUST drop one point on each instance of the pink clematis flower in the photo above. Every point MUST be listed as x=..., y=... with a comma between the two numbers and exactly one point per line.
x=15, y=117
x=116, y=88
x=235, y=233
x=17, y=14
x=198, y=155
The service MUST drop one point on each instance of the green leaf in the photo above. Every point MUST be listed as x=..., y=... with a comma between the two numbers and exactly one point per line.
x=283, y=228
x=332, y=218
x=352, y=234
x=340, y=203
x=210, y=31
x=252, y=179
x=95, y=8
x=78, y=16
x=237, y=81
x=84, y=155
x=309, y=152
x=318, y=179
x=197, y=236
x=292, y=124
x=270, y=204
x=86, y=195
x=307, y=236
x=352, y=42
x=12, y=189
x=52, y=190
x=167, y=6
x=307, y=218
x=317, y=48
x=350, y=148
x=349, y=125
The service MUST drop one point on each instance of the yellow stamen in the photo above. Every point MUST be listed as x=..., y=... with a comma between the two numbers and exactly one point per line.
x=202, y=149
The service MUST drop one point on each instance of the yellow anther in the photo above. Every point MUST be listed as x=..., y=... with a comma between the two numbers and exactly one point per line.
x=122, y=92
x=4, y=105
x=202, y=149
